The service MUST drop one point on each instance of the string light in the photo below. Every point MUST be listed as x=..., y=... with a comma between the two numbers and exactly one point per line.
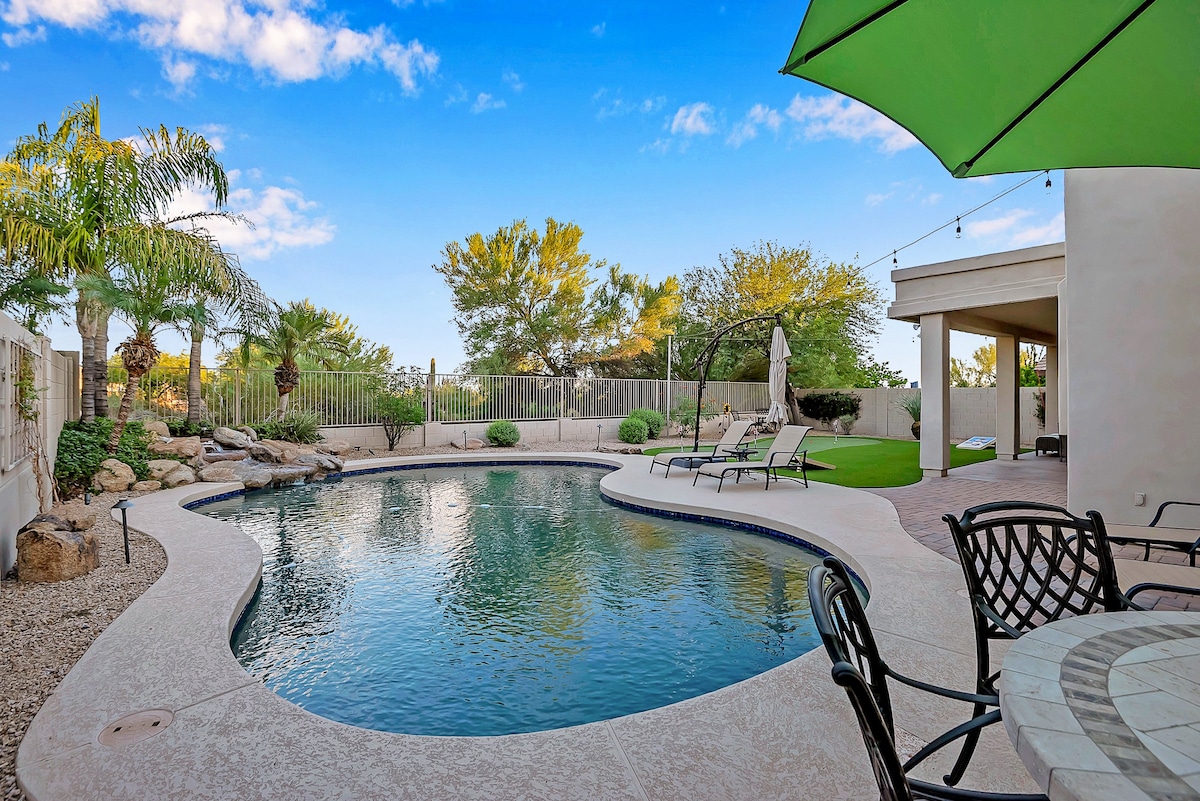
x=958, y=218
x=957, y=228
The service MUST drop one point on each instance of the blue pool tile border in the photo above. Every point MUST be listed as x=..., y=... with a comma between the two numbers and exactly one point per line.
x=224, y=496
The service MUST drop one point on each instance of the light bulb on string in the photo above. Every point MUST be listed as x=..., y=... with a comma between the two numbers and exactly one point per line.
x=1048, y=183
x=957, y=228
x=894, y=262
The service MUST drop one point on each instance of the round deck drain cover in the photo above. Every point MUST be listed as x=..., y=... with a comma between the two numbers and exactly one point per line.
x=136, y=727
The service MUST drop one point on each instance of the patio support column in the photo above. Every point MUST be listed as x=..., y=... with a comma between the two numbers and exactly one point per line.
x=1051, y=389
x=1008, y=397
x=935, y=394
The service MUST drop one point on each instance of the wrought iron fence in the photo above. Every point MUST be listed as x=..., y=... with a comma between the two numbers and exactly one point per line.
x=231, y=397
x=22, y=396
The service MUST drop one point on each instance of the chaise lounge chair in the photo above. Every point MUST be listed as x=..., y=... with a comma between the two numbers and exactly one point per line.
x=723, y=452
x=782, y=453
x=1157, y=536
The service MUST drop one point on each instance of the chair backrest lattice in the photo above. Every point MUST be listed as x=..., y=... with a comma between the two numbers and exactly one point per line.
x=841, y=621
x=1027, y=564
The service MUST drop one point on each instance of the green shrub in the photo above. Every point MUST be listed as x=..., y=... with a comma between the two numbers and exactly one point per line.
x=503, y=433
x=911, y=405
x=830, y=406
x=399, y=412
x=300, y=427
x=633, y=430
x=654, y=420
x=82, y=447
x=182, y=428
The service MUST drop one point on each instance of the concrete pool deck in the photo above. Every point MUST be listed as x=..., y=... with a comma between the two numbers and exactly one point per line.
x=787, y=733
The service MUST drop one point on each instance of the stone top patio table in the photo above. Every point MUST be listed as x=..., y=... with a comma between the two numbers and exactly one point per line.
x=1106, y=707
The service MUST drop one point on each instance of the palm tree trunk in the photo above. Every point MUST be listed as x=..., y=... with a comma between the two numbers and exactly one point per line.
x=281, y=409
x=131, y=387
x=85, y=322
x=101, y=368
x=194, y=399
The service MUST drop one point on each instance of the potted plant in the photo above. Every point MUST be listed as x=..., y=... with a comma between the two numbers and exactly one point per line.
x=911, y=404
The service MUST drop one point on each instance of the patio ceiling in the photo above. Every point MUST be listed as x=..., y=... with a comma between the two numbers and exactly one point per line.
x=1013, y=293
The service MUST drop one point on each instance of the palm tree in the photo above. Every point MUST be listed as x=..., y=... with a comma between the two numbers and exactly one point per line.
x=299, y=331
x=97, y=201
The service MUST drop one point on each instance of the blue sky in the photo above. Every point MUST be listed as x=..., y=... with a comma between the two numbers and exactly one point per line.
x=363, y=137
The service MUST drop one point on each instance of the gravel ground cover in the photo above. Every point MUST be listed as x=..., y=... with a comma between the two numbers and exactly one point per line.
x=46, y=628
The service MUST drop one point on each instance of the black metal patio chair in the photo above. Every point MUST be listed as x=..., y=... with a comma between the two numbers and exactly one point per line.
x=1027, y=564
x=860, y=668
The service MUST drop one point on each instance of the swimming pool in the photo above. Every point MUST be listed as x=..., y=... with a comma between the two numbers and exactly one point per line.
x=497, y=600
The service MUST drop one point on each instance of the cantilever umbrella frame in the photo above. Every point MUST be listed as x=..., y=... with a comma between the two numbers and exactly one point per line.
x=1019, y=85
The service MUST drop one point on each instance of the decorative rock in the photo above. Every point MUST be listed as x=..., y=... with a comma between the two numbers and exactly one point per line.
x=157, y=427
x=291, y=473
x=182, y=474
x=264, y=452
x=58, y=523
x=147, y=486
x=249, y=432
x=322, y=461
x=114, y=476
x=187, y=447
x=252, y=474
x=81, y=521
x=289, y=451
x=230, y=438
x=306, y=450
x=470, y=444
x=224, y=456
x=335, y=446
x=160, y=467
x=217, y=474
x=56, y=555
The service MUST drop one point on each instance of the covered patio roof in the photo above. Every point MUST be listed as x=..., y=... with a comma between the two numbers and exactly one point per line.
x=1014, y=293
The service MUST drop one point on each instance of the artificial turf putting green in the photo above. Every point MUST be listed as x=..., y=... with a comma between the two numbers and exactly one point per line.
x=869, y=462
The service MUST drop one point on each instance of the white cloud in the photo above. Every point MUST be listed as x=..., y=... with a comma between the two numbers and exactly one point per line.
x=996, y=226
x=278, y=38
x=215, y=136
x=1053, y=231
x=282, y=218
x=513, y=80
x=874, y=199
x=485, y=102
x=694, y=119
x=758, y=116
x=931, y=199
x=178, y=72
x=843, y=118
x=24, y=36
x=457, y=95
x=598, y=30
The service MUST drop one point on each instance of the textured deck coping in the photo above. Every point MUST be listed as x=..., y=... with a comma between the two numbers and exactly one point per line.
x=786, y=733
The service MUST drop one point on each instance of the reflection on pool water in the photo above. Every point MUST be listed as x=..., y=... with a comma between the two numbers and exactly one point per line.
x=496, y=600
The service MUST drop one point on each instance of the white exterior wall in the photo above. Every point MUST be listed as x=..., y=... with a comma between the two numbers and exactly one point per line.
x=1133, y=293
x=56, y=380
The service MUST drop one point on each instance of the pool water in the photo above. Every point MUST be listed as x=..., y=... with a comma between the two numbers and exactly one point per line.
x=497, y=600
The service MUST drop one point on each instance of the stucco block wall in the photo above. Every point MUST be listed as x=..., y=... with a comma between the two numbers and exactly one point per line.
x=56, y=379
x=1133, y=323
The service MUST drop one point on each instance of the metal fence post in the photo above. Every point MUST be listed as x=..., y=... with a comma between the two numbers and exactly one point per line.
x=237, y=398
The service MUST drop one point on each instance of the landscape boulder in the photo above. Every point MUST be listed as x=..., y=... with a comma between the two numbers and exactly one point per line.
x=55, y=555
x=182, y=474
x=285, y=474
x=160, y=467
x=469, y=444
x=253, y=474
x=230, y=438
x=186, y=447
x=79, y=520
x=114, y=476
x=156, y=427
x=337, y=447
x=218, y=473
x=249, y=432
x=212, y=457
x=51, y=523
x=264, y=452
x=147, y=486
x=324, y=462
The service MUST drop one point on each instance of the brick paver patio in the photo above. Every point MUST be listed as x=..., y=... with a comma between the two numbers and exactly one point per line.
x=1031, y=478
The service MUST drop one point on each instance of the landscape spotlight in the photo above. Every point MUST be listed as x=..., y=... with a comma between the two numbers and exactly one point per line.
x=124, y=504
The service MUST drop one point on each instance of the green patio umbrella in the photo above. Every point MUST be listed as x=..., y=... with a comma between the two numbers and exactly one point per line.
x=995, y=86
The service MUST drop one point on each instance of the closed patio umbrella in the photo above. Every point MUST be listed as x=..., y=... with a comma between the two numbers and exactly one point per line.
x=996, y=87
x=777, y=377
